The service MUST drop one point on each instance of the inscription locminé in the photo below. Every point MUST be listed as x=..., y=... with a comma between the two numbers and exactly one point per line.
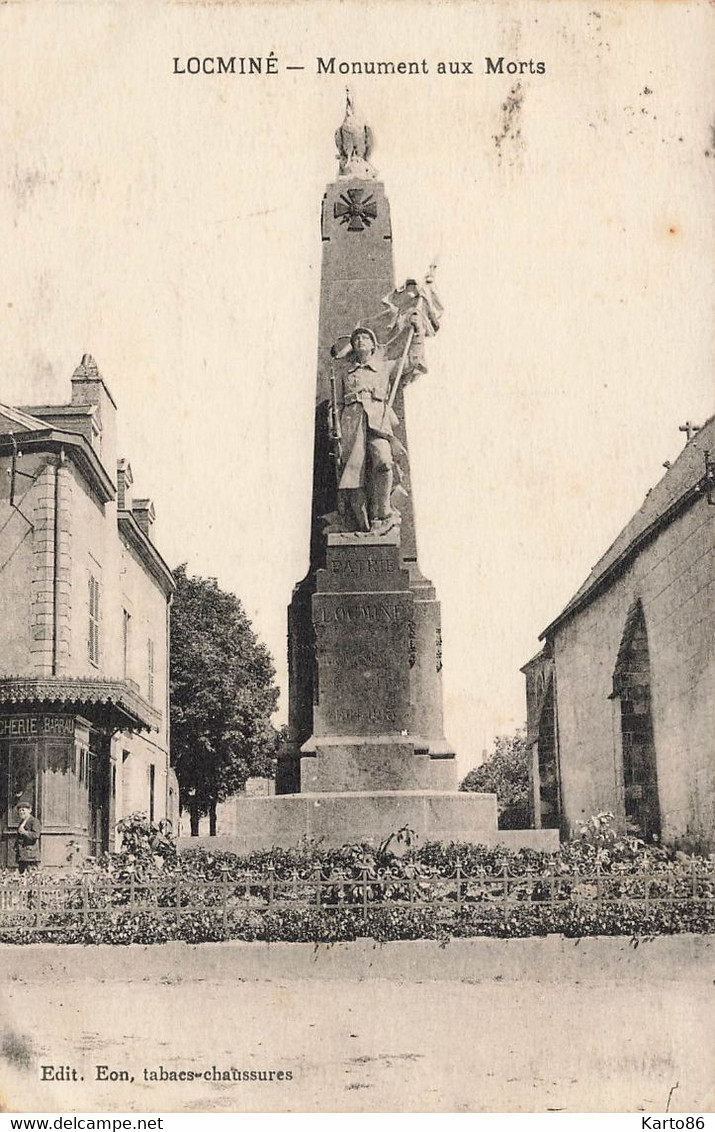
x=390, y=612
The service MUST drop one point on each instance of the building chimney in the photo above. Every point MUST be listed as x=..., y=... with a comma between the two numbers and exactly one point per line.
x=89, y=388
x=125, y=479
x=144, y=513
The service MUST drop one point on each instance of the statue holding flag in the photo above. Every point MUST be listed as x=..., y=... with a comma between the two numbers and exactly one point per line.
x=414, y=310
x=366, y=450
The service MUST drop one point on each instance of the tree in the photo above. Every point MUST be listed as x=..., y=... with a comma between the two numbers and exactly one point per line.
x=223, y=694
x=506, y=774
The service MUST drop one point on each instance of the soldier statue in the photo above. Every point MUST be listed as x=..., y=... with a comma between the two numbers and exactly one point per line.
x=362, y=419
x=368, y=443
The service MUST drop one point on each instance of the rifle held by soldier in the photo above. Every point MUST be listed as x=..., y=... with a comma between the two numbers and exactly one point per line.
x=336, y=438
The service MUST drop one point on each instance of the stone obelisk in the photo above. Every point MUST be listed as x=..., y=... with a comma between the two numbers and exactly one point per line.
x=365, y=653
x=367, y=756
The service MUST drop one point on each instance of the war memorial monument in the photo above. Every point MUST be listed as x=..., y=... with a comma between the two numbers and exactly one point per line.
x=367, y=754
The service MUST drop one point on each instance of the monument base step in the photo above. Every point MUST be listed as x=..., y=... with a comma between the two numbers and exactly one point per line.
x=377, y=763
x=370, y=817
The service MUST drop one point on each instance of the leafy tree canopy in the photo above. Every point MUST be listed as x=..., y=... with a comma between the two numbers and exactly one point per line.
x=506, y=774
x=223, y=694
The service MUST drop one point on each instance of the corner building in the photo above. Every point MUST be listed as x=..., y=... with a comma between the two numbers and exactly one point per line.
x=84, y=605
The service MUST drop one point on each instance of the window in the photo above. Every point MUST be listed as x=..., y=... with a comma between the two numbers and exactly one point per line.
x=632, y=685
x=150, y=670
x=55, y=795
x=93, y=637
x=126, y=625
x=152, y=786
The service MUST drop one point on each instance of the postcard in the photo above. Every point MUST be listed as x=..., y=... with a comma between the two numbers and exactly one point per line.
x=411, y=300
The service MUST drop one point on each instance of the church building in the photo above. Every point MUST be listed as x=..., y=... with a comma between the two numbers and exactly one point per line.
x=620, y=705
x=84, y=610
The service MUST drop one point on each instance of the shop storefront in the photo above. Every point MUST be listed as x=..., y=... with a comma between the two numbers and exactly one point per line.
x=61, y=763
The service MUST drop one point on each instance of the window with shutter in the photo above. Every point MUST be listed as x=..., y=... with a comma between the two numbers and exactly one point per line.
x=93, y=635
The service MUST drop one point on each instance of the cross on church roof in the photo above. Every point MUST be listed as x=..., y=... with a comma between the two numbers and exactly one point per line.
x=689, y=428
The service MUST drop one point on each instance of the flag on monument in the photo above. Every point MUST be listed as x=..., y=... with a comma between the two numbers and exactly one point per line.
x=413, y=313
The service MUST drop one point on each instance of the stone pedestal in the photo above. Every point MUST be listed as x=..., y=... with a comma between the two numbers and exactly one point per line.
x=377, y=697
x=339, y=819
x=386, y=762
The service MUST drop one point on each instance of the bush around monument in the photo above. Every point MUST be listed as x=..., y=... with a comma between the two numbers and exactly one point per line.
x=505, y=772
x=601, y=883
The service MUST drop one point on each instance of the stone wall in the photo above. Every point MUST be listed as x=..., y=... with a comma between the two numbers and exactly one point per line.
x=88, y=551
x=20, y=576
x=673, y=577
x=139, y=594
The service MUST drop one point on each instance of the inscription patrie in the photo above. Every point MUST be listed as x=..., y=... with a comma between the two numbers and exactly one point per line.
x=358, y=565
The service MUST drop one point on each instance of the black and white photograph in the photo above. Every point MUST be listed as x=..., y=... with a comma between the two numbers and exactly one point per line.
x=357, y=600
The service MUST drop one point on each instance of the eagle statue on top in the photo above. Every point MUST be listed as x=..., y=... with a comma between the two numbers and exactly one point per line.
x=354, y=141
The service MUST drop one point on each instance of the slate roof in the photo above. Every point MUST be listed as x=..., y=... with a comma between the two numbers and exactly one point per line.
x=52, y=439
x=24, y=421
x=144, y=547
x=682, y=484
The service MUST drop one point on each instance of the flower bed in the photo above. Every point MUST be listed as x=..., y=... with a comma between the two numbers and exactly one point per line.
x=599, y=884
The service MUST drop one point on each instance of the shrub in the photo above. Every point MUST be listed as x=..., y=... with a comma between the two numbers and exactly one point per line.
x=144, y=842
x=505, y=773
x=595, y=885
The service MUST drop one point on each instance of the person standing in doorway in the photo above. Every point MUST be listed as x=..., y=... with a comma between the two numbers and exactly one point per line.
x=27, y=845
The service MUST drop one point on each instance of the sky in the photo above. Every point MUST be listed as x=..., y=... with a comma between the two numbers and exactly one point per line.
x=168, y=224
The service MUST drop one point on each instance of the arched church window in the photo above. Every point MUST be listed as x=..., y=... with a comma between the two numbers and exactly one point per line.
x=632, y=686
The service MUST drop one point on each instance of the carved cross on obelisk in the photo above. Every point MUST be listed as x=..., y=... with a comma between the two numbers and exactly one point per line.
x=356, y=209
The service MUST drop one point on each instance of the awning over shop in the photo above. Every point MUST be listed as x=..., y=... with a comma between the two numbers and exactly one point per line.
x=113, y=704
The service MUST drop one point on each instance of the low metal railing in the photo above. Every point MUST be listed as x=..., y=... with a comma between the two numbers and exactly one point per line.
x=46, y=903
